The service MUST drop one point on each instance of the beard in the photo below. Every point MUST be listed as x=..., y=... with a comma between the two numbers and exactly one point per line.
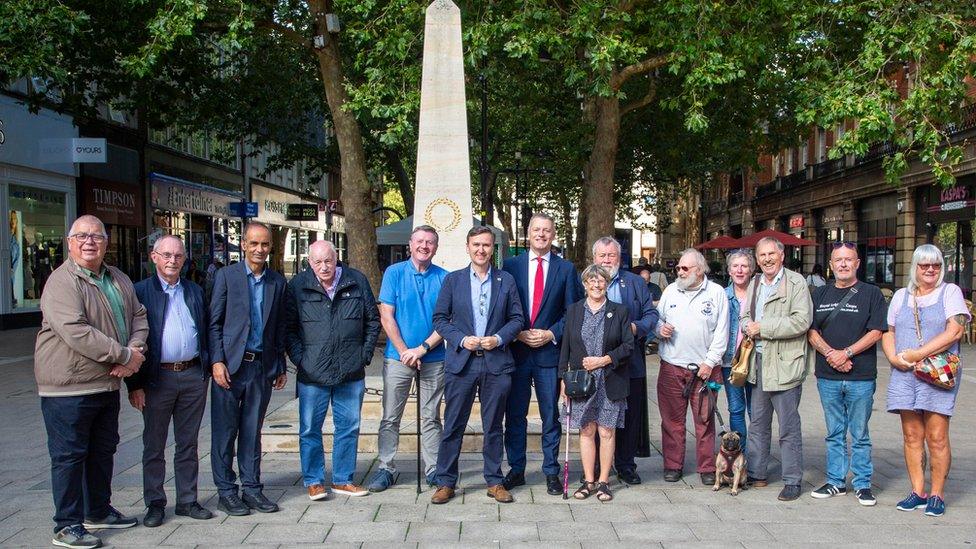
x=688, y=283
x=613, y=271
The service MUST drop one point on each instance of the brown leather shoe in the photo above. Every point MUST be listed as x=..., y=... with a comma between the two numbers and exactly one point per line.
x=757, y=482
x=443, y=494
x=500, y=494
x=317, y=492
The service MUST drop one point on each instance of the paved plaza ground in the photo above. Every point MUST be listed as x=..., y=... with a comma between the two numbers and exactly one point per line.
x=652, y=514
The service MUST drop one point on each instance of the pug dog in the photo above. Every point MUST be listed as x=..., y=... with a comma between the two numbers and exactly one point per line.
x=730, y=463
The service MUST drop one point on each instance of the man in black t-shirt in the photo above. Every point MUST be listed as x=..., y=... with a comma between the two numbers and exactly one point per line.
x=848, y=320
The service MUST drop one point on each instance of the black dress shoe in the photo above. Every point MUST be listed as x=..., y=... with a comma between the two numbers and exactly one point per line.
x=193, y=510
x=708, y=479
x=672, y=475
x=154, y=516
x=513, y=479
x=260, y=503
x=630, y=477
x=232, y=505
x=789, y=493
x=554, y=487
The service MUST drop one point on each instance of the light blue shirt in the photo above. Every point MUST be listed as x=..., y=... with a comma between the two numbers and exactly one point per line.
x=764, y=292
x=613, y=290
x=413, y=295
x=480, y=301
x=180, y=342
x=255, y=338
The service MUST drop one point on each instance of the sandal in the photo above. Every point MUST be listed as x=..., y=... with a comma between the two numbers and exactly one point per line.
x=603, y=492
x=585, y=490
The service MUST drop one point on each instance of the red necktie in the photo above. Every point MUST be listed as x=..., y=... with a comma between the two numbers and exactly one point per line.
x=537, y=287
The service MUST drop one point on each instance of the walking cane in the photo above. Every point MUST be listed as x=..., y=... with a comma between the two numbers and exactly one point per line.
x=569, y=412
x=418, y=429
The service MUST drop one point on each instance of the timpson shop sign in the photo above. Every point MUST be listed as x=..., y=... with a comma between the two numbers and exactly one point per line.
x=113, y=202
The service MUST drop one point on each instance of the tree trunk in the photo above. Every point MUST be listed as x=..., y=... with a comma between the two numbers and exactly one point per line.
x=566, y=209
x=598, y=189
x=395, y=162
x=355, y=192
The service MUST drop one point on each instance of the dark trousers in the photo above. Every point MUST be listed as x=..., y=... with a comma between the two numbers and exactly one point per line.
x=674, y=406
x=633, y=440
x=82, y=435
x=182, y=397
x=237, y=415
x=546, y=383
x=459, y=393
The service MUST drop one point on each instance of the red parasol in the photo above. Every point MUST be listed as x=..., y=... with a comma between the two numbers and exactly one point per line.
x=722, y=242
x=787, y=239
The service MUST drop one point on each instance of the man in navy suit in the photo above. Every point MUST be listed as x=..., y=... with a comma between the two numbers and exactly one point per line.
x=172, y=383
x=247, y=348
x=479, y=315
x=634, y=440
x=547, y=286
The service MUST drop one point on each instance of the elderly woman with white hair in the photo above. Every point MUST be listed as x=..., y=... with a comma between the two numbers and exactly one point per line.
x=924, y=319
x=741, y=267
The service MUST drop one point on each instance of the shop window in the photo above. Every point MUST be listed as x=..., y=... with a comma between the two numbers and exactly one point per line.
x=956, y=240
x=37, y=231
x=339, y=239
x=876, y=245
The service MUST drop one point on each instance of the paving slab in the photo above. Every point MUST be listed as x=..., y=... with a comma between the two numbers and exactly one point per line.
x=217, y=534
x=292, y=533
x=653, y=532
x=368, y=531
x=501, y=532
x=577, y=531
x=434, y=532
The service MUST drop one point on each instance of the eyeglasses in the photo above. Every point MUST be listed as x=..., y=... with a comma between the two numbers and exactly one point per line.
x=167, y=256
x=933, y=266
x=844, y=244
x=80, y=238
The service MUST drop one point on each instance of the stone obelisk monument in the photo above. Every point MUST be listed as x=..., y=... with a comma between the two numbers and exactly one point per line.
x=443, y=191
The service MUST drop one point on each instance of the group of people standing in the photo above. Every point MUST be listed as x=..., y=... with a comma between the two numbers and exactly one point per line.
x=478, y=332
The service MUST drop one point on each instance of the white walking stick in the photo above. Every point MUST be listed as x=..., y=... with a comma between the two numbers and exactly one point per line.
x=569, y=412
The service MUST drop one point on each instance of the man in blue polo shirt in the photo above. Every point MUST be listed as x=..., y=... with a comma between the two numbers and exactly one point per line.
x=407, y=298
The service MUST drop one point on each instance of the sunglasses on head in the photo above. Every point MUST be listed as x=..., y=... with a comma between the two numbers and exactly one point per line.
x=844, y=244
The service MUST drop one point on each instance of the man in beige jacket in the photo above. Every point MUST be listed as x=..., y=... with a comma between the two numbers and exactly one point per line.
x=777, y=315
x=93, y=334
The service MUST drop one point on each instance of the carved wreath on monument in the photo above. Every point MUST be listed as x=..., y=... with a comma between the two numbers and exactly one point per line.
x=443, y=214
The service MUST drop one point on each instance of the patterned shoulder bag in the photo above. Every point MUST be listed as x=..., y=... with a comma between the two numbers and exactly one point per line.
x=940, y=369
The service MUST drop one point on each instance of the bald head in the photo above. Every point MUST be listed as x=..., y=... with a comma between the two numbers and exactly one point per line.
x=323, y=259
x=87, y=221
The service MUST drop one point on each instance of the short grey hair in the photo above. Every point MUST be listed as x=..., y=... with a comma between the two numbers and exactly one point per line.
x=926, y=253
x=606, y=241
x=594, y=271
x=771, y=240
x=159, y=242
x=426, y=229
x=741, y=253
x=88, y=218
x=699, y=259
x=542, y=215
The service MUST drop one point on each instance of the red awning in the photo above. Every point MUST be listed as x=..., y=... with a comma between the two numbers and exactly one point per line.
x=787, y=239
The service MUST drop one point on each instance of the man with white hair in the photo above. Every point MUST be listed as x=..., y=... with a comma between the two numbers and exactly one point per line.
x=777, y=315
x=693, y=334
x=93, y=334
x=172, y=384
x=629, y=289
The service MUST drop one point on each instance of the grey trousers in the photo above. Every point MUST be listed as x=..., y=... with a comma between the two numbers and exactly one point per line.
x=786, y=404
x=397, y=380
x=182, y=397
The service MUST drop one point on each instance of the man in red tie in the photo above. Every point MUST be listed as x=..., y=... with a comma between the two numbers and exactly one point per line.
x=547, y=285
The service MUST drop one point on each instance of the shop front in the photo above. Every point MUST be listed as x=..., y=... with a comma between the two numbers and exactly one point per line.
x=295, y=220
x=200, y=216
x=121, y=207
x=37, y=192
x=796, y=226
x=948, y=219
x=831, y=231
x=876, y=239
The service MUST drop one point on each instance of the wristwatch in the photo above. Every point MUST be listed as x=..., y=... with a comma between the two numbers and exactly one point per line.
x=425, y=346
x=849, y=352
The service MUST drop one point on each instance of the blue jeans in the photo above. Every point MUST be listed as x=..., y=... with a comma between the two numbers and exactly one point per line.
x=847, y=408
x=313, y=404
x=739, y=403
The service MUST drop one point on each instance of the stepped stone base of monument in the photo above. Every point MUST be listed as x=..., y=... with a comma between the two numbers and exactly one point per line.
x=280, y=433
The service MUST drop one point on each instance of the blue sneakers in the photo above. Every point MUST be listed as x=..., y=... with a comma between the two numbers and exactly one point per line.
x=912, y=502
x=382, y=480
x=935, y=507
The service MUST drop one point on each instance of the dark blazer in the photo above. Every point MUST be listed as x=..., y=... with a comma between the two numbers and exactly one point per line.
x=618, y=344
x=331, y=340
x=562, y=289
x=635, y=295
x=454, y=319
x=230, y=319
x=150, y=293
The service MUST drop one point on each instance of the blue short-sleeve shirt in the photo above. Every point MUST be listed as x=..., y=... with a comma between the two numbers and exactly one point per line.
x=413, y=294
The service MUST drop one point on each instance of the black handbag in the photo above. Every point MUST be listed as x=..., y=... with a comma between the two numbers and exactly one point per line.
x=579, y=383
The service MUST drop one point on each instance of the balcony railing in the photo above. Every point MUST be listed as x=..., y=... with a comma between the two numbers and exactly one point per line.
x=793, y=180
x=737, y=198
x=828, y=167
x=965, y=121
x=878, y=150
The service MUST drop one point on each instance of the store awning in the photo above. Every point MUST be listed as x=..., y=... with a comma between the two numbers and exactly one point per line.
x=398, y=234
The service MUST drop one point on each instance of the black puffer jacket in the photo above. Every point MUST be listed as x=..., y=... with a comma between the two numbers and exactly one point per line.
x=331, y=340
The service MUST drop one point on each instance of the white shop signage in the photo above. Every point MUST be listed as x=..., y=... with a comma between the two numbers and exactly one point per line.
x=273, y=208
x=88, y=150
x=40, y=141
